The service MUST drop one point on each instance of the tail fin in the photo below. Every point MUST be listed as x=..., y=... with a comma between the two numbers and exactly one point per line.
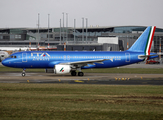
x=144, y=42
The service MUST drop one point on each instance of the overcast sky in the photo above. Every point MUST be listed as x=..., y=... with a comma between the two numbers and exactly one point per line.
x=24, y=13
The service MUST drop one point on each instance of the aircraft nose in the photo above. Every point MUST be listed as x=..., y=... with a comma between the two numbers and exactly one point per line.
x=4, y=62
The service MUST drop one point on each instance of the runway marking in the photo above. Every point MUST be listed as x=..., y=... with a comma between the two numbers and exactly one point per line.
x=78, y=81
x=121, y=79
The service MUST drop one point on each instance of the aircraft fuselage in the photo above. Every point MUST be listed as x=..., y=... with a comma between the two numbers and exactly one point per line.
x=44, y=59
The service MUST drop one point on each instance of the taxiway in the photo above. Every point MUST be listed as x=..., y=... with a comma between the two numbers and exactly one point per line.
x=88, y=78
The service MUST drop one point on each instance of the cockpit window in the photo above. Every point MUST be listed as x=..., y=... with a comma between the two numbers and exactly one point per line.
x=12, y=56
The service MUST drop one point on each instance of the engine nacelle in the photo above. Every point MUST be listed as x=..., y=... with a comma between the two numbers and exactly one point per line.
x=62, y=69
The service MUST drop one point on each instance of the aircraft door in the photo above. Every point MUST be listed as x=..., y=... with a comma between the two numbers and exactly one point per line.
x=24, y=57
x=127, y=57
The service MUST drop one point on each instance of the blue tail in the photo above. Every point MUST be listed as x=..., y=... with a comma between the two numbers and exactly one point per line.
x=144, y=42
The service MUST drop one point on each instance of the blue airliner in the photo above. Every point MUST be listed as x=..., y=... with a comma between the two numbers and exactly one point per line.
x=62, y=62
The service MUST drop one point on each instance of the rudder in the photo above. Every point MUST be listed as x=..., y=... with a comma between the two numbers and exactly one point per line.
x=144, y=42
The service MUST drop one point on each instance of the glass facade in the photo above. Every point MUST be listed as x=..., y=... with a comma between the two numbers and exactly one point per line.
x=128, y=29
x=16, y=31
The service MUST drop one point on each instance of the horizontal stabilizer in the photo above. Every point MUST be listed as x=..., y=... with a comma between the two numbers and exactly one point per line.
x=146, y=56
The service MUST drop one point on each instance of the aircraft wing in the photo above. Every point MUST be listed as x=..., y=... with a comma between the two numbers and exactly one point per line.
x=85, y=63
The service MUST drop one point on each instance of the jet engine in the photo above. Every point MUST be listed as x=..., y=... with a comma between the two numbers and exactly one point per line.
x=62, y=69
x=59, y=69
x=2, y=57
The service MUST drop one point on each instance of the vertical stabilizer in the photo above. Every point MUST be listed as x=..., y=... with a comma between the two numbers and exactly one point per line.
x=144, y=42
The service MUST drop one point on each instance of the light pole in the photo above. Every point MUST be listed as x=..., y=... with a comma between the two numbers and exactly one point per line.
x=60, y=31
x=160, y=51
x=66, y=27
x=82, y=30
x=86, y=28
x=63, y=26
x=48, y=30
x=38, y=31
x=74, y=29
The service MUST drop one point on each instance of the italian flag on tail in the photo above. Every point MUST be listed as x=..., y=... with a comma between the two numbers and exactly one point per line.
x=149, y=41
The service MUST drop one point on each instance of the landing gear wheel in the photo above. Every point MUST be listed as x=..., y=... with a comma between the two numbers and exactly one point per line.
x=23, y=74
x=80, y=74
x=73, y=73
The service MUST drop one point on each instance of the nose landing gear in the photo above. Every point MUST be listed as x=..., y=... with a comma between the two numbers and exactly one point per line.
x=23, y=73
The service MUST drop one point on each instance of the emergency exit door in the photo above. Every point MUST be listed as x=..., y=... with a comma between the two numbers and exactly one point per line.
x=127, y=57
x=24, y=57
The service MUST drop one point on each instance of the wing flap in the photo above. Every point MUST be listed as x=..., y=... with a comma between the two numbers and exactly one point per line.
x=85, y=63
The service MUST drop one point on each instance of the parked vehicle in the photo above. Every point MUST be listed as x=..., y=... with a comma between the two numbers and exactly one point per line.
x=153, y=62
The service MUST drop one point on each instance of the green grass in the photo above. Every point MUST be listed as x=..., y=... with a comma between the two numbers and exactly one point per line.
x=104, y=70
x=80, y=102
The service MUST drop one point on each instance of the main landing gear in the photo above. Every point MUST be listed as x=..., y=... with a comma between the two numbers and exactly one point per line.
x=80, y=73
x=23, y=73
x=73, y=73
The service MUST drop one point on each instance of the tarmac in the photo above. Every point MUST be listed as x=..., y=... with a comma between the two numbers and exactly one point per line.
x=88, y=78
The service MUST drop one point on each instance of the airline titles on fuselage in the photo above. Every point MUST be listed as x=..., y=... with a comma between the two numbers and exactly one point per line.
x=47, y=57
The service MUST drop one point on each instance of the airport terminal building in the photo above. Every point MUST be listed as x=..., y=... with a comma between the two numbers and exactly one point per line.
x=113, y=38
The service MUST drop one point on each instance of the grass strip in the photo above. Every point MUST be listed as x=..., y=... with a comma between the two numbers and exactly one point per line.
x=72, y=101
